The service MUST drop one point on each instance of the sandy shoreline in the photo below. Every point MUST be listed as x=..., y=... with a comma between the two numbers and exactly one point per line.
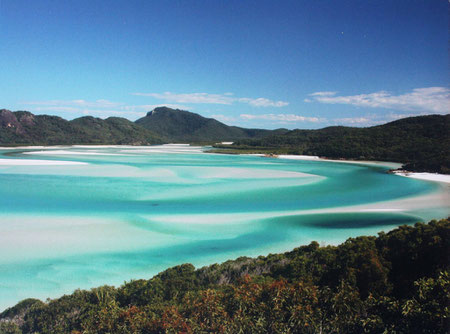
x=361, y=162
x=444, y=178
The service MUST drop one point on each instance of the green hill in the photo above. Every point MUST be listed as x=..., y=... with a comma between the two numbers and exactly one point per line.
x=24, y=128
x=397, y=282
x=184, y=126
x=422, y=143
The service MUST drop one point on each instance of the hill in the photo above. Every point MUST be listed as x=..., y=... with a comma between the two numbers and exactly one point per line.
x=397, y=282
x=184, y=126
x=24, y=128
x=422, y=143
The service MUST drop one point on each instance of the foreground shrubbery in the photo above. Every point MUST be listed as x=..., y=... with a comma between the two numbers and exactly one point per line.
x=397, y=282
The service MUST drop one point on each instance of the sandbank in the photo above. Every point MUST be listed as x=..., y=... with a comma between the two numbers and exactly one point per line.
x=26, y=162
x=440, y=198
x=403, y=205
x=32, y=147
x=64, y=152
x=166, y=148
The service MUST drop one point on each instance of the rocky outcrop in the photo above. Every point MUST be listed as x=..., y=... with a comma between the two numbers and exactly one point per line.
x=9, y=121
x=25, y=118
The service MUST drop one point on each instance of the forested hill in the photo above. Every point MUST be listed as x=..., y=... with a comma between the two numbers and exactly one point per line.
x=422, y=143
x=162, y=125
x=184, y=126
x=24, y=128
x=397, y=282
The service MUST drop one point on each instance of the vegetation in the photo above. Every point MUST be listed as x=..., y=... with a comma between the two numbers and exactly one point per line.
x=422, y=143
x=184, y=126
x=24, y=128
x=397, y=282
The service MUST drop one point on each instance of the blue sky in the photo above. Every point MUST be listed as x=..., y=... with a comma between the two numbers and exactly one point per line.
x=269, y=64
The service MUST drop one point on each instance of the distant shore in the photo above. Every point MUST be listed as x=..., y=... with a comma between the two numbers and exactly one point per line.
x=395, y=166
x=444, y=178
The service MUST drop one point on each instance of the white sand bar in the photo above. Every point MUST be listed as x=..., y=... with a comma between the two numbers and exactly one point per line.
x=30, y=147
x=65, y=152
x=425, y=176
x=299, y=157
x=23, y=162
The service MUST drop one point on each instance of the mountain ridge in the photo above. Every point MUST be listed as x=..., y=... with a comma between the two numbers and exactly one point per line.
x=182, y=125
x=24, y=128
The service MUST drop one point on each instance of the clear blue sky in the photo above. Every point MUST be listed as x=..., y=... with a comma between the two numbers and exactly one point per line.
x=270, y=64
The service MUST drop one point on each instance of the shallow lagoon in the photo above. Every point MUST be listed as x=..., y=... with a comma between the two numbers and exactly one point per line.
x=79, y=217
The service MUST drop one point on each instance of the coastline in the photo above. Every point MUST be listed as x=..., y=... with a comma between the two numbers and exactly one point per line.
x=361, y=162
x=395, y=166
x=435, y=177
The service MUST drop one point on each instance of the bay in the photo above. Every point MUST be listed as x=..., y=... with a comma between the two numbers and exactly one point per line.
x=84, y=216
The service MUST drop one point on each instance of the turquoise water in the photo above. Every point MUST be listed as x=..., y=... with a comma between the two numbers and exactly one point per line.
x=79, y=217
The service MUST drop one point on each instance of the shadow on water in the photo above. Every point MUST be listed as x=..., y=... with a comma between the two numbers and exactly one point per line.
x=335, y=221
x=271, y=231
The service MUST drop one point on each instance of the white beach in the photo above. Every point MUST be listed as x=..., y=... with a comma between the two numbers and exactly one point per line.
x=443, y=178
x=299, y=157
x=364, y=162
x=425, y=176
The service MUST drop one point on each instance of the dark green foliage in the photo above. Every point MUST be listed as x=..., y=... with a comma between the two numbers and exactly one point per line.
x=184, y=126
x=24, y=128
x=9, y=328
x=425, y=253
x=160, y=125
x=428, y=309
x=422, y=143
x=397, y=282
x=171, y=284
x=21, y=308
